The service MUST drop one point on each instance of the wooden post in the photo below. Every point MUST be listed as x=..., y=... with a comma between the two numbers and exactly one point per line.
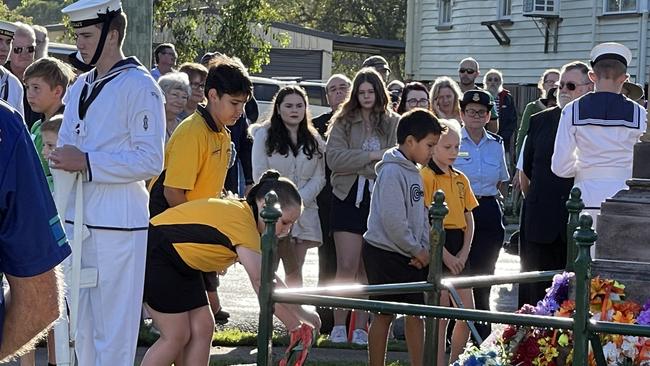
x=437, y=213
x=585, y=237
x=139, y=30
x=270, y=214
x=574, y=205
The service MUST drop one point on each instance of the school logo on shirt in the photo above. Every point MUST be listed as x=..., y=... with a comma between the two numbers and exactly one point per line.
x=461, y=190
x=416, y=193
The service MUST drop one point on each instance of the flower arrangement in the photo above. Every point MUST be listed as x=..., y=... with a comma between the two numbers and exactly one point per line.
x=531, y=346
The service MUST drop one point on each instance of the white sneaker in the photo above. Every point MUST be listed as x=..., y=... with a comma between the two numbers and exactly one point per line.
x=338, y=334
x=360, y=337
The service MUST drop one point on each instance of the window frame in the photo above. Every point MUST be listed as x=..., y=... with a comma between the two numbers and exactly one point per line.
x=441, y=12
x=501, y=7
x=614, y=12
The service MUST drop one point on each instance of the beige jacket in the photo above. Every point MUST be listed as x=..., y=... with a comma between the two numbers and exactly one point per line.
x=307, y=174
x=345, y=157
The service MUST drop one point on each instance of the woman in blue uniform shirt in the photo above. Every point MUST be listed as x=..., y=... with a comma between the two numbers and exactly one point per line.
x=482, y=159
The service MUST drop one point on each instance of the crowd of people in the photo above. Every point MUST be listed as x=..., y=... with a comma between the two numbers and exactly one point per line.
x=354, y=183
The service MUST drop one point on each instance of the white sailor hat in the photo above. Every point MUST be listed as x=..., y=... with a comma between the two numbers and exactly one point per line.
x=7, y=28
x=88, y=12
x=611, y=51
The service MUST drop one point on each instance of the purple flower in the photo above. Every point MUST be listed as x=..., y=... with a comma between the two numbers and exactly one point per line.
x=547, y=306
x=526, y=309
x=559, y=290
x=644, y=316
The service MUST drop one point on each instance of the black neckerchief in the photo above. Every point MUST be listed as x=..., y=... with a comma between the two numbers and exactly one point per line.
x=84, y=100
x=208, y=118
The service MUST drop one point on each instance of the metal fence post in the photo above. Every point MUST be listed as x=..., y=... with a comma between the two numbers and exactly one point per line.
x=270, y=214
x=585, y=237
x=574, y=205
x=437, y=213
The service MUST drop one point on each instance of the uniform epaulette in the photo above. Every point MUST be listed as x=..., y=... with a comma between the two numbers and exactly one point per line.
x=496, y=137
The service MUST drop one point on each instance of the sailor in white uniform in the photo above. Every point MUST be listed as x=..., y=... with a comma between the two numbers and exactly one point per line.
x=113, y=131
x=11, y=89
x=597, y=132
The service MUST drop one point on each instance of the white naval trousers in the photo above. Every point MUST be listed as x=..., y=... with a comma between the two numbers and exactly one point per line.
x=598, y=184
x=109, y=314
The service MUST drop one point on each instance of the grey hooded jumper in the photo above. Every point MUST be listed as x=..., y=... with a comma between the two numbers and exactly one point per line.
x=398, y=220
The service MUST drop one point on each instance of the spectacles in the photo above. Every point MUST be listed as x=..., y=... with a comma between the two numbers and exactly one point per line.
x=476, y=113
x=197, y=85
x=19, y=50
x=463, y=70
x=417, y=102
x=569, y=85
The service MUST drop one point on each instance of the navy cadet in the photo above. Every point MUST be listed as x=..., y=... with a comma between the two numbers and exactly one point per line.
x=113, y=132
x=482, y=159
x=11, y=89
x=597, y=133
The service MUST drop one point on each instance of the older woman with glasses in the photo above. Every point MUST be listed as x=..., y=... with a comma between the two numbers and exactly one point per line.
x=414, y=95
x=445, y=98
x=176, y=87
x=197, y=74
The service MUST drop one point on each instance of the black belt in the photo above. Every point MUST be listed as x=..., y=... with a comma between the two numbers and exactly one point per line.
x=485, y=197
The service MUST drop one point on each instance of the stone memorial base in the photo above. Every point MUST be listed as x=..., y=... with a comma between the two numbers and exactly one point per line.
x=623, y=246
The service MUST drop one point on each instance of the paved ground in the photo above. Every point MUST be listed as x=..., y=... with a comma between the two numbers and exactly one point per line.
x=239, y=299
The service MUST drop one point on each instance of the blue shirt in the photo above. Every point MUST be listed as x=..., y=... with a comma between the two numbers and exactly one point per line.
x=483, y=163
x=155, y=73
x=32, y=240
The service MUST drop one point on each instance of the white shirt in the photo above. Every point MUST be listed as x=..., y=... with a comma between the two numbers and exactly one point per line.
x=123, y=134
x=11, y=86
x=595, y=141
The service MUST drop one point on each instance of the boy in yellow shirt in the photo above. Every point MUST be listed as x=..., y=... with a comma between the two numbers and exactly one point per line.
x=458, y=224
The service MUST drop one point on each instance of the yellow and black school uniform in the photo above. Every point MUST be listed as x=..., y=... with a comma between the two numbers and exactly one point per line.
x=191, y=238
x=197, y=158
x=459, y=198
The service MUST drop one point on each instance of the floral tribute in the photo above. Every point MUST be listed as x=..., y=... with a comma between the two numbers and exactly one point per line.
x=532, y=346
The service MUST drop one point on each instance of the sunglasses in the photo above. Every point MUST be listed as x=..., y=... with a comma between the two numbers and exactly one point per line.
x=493, y=80
x=569, y=85
x=19, y=50
x=466, y=71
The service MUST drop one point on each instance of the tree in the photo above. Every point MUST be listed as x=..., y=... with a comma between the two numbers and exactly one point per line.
x=235, y=27
x=383, y=19
x=12, y=16
x=43, y=12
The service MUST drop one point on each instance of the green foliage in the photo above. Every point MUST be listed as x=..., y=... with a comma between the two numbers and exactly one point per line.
x=12, y=16
x=43, y=12
x=237, y=28
x=383, y=19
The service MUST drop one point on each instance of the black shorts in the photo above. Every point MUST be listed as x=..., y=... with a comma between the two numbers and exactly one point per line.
x=346, y=216
x=170, y=285
x=383, y=266
x=454, y=243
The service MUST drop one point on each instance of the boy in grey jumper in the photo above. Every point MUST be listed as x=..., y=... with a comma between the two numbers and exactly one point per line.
x=396, y=247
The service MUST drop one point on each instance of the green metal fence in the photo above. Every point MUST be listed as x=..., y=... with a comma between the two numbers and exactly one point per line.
x=584, y=329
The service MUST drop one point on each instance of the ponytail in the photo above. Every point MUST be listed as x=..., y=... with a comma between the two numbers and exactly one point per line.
x=271, y=180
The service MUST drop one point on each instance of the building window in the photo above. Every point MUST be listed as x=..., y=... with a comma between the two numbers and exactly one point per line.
x=505, y=9
x=620, y=6
x=445, y=12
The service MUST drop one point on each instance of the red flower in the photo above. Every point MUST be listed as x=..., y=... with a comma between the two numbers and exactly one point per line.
x=509, y=332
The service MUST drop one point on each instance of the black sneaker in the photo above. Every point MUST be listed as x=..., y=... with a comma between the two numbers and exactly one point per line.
x=221, y=317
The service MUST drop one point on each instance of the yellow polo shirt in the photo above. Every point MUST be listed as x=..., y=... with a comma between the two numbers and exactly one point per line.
x=197, y=157
x=205, y=232
x=458, y=194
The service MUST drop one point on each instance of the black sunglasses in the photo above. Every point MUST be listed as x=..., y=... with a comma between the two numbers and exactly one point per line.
x=19, y=50
x=466, y=71
x=569, y=85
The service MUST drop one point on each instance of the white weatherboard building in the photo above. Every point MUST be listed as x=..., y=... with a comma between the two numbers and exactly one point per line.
x=521, y=38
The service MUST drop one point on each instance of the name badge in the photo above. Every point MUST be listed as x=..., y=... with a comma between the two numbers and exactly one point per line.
x=463, y=154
